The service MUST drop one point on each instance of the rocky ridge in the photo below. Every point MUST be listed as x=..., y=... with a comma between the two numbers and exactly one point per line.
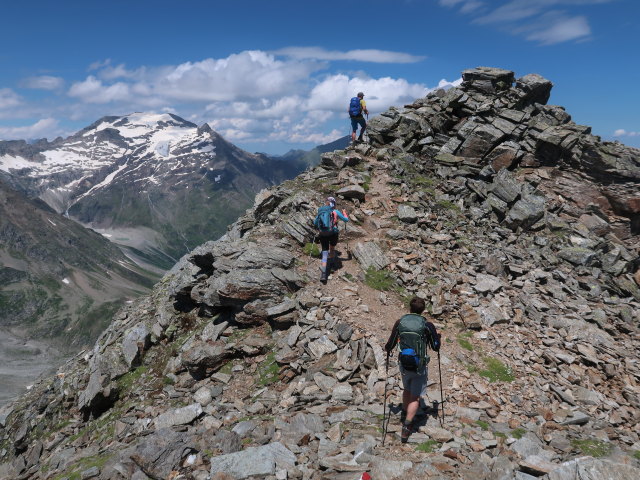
x=482, y=200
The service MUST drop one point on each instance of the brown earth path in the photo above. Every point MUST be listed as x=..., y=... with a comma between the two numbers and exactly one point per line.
x=373, y=311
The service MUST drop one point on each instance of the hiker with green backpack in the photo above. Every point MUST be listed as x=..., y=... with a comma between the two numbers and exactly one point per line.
x=412, y=334
x=326, y=222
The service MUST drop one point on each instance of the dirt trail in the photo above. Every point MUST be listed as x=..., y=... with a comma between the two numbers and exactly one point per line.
x=364, y=307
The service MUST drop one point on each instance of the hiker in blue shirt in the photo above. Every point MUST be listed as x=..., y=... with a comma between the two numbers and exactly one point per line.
x=327, y=224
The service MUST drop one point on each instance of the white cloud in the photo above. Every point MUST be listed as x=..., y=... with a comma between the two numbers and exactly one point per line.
x=43, y=82
x=334, y=92
x=539, y=21
x=99, y=64
x=9, y=98
x=119, y=71
x=93, y=90
x=561, y=30
x=624, y=133
x=466, y=6
x=46, y=127
x=362, y=55
x=250, y=96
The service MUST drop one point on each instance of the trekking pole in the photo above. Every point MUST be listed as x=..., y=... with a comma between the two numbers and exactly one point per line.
x=441, y=391
x=384, y=408
x=346, y=239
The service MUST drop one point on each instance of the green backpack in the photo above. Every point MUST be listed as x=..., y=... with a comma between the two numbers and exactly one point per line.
x=412, y=332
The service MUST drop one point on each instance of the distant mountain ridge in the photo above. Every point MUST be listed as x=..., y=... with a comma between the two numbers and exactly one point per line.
x=155, y=183
x=58, y=278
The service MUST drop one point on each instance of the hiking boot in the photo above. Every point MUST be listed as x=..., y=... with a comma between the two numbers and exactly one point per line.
x=407, y=430
x=323, y=276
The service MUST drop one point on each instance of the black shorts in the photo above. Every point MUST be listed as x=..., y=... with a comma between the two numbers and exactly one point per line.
x=326, y=240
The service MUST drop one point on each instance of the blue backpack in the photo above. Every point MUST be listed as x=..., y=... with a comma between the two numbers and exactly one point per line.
x=324, y=220
x=355, y=109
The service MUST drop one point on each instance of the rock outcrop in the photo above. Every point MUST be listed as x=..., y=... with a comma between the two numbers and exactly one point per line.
x=483, y=201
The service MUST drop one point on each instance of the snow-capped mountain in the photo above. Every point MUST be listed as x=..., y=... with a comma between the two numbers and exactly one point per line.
x=155, y=183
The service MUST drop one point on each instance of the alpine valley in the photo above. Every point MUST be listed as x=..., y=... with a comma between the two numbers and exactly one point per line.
x=153, y=185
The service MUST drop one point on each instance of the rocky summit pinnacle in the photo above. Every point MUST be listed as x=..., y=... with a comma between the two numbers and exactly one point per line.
x=517, y=226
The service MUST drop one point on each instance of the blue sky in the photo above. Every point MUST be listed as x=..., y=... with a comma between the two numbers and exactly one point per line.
x=274, y=75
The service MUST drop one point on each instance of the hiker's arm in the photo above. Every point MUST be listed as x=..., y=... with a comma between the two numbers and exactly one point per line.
x=364, y=107
x=393, y=338
x=342, y=215
x=434, y=337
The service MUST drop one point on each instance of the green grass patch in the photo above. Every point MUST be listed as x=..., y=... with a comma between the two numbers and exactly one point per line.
x=496, y=371
x=482, y=424
x=432, y=281
x=593, y=447
x=268, y=370
x=382, y=280
x=464, y=343
x=227, y=368
x=427, y=447
x=311, y=249
x=126, y=382
x=367, y=183
x=448, y=205
x=518, y=433
x=636, y=455
x=75, y=471
x=500, y=435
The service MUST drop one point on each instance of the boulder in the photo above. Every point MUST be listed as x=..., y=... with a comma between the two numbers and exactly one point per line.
x=369, y=254
x=254, y=461
x=578, y=256
x=525, y=212
x=588, y=468
x=178, y=416
x=352, y=191
x=535, y=89
x=407, y=214
x=487, y=79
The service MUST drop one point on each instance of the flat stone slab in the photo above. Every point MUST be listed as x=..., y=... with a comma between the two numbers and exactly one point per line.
x=179, y=416
x=254, y=461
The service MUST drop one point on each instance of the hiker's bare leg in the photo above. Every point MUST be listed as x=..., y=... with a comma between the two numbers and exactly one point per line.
x=332, y=252
x=410, y=405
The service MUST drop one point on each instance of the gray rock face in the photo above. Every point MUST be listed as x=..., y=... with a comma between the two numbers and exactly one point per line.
x=407, y=214
x=157, y=454
x=258, y=461
x=205, y=356
x=578, y=255
x=487, y=79
x=525, y=212
x=136, y=340
x=179, y=416
x=593, y=469
x=369, y=254
x=352, y=191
